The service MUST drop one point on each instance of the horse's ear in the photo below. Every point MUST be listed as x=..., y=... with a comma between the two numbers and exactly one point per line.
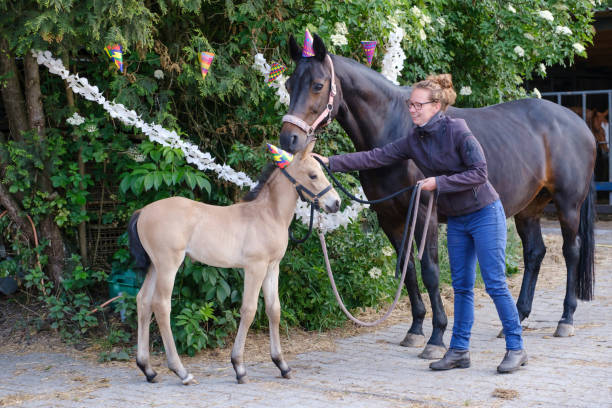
x=319, y=47
x=308, y=149
x=605, y=113
x=294, y=49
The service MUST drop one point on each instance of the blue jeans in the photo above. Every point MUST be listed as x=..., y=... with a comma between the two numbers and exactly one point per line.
x=481, y=234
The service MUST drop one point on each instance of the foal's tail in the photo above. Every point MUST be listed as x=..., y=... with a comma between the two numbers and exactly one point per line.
x=585, y=282
x=142, y=260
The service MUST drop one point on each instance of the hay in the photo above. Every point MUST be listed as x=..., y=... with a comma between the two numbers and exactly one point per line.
x=504, y=393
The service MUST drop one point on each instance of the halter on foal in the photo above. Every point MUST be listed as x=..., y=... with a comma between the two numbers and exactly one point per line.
x=250, y=235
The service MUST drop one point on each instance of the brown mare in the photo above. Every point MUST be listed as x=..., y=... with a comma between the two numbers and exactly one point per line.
x=598, y=123
x=537, y=152
x=251, y=235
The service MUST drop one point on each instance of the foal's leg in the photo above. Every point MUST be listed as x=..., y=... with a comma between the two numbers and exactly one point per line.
x=273, y=310
x=143, y=304
x=166, y=273
x=253, y=277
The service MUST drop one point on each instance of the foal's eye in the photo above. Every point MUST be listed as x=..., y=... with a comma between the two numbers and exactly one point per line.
x=312, y=176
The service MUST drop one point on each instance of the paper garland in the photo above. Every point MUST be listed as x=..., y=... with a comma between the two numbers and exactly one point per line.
x=206, y=58
x=115, y=53
x=276, y=69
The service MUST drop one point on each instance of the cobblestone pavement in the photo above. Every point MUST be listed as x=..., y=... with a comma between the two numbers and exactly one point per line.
x=364, y=371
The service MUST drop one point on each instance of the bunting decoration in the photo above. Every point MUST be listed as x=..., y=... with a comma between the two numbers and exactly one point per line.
x=307, y=50
x=280, y=157
x=368, y=48
x=206, y=59
x=276, y=69
x=115, y=53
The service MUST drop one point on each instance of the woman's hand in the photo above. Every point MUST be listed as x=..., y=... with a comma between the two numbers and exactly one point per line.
x=324, y=159
x=429, y=184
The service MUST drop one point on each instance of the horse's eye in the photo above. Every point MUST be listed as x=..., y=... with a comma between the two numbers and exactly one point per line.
x=312, y=176
x=317, y=87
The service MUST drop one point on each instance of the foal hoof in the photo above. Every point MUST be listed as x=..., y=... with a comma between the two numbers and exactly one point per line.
x=413, y=340
x=286, y=374
x=564, y=330
x=189, y=380
x=432, y=352
x=501, y=334
x=242, y=380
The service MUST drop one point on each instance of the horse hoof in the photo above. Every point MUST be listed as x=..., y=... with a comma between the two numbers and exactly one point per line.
x=189, y=380
x=286, y=374
x=243, y=380
x=413, y=340
x=432, y=352
x=564, y=330
x=501, y=334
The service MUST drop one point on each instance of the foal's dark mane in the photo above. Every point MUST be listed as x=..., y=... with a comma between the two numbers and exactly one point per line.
x=261, y=182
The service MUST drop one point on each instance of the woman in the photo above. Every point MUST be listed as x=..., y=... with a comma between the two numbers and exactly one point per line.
x=454, y=163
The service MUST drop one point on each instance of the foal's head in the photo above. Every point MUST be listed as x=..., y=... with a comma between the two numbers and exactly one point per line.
x=308, y=174
x=309, y=87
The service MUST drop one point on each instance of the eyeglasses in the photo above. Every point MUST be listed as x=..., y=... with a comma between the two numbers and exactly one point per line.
x=417, y=106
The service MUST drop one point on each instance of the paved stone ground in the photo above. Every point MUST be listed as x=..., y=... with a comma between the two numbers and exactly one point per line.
x=366, y=370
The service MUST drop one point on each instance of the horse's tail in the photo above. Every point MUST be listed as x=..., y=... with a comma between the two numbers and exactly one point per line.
x=142, y=260
x=585, y=282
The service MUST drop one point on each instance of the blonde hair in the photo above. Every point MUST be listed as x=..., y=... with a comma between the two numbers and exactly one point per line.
x=441, y=88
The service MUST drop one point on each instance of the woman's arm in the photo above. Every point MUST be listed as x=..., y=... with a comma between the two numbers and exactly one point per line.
x=371, y=159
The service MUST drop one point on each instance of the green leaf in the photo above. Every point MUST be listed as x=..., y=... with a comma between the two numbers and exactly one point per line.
x=148, y=181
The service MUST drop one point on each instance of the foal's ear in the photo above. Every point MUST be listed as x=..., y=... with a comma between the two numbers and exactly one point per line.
x=294, y=49
x=308, y=149
x=319, y=47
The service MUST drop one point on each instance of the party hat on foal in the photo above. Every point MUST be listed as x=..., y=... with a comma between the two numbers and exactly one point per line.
x=206, y=59
x=115, y=53
x=307, y=50
x=368, y=48
x=276, y=69
x=280, y=157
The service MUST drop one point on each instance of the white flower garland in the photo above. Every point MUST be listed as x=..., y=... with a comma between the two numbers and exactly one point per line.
x=193, y=155
x=393, y=61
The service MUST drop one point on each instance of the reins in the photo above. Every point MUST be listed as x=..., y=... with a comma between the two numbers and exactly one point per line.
x=412, y=212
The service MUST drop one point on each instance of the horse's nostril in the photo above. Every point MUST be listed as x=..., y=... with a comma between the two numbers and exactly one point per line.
x=293, y=140
x=336, y=205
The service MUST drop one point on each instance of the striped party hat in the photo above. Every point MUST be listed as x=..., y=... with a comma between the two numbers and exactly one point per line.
x=368, y=48
x=280, y=157
x=206, y=59
x=115, y=53
x=308, y=51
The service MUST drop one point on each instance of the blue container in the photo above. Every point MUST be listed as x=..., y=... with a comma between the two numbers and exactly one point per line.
x=128, y=282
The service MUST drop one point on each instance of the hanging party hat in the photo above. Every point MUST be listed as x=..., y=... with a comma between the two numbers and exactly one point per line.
x=206, y=59
x=308, y=51
x=276, y=69
x=115, y=53
x=368, y=48
x=280, y=157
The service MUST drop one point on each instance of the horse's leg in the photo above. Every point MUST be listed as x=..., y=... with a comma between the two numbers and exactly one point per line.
x=430, y=272
x=253, y=278
x=415, y=336
x=569, y=218
x=143, y=305
x=528, y=228
x=273, y=310
x=166, y=272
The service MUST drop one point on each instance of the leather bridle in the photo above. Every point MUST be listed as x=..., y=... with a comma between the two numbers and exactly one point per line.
x=301, y=190
x=325, y=115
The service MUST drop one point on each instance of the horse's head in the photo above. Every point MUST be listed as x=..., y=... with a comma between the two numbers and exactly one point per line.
x=308, y=174
x=600, y=130
x=312, y=89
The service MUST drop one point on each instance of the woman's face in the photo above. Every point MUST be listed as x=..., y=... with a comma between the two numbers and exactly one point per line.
x=421, y=106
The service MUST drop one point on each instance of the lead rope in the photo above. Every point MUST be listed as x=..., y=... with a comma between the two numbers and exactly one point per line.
x=416, y=194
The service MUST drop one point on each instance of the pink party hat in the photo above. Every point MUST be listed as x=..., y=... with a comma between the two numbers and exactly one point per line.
x=368, y=48
x=280, y=157
x=206, y=59
x=115, y=53
x=308, y=51
x=276, y=69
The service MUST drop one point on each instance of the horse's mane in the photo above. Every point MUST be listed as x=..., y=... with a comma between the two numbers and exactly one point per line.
x=261, y=182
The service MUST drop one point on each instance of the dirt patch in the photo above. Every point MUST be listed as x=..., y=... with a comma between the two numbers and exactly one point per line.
x=505, y=393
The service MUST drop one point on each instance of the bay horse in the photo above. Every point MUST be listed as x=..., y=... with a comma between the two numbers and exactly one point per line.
x=251, y=234
x=536, y=150
x=598, y=123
